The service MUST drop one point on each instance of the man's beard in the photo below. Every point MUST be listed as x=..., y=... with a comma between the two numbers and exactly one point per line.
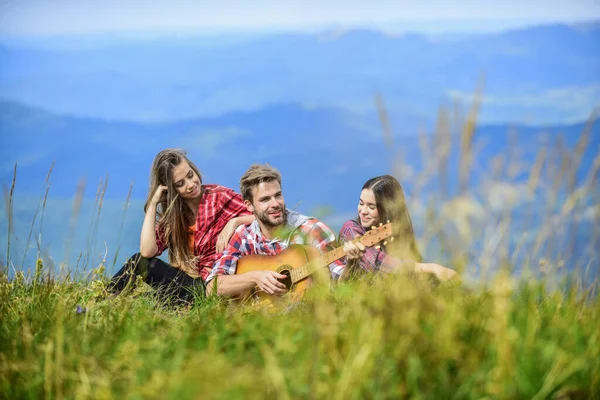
x=269, y=222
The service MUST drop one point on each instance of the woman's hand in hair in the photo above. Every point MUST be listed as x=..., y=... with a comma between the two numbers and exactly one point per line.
x=148, y=246
x=158, y=194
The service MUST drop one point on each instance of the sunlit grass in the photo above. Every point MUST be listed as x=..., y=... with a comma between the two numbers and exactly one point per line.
x=384, y=338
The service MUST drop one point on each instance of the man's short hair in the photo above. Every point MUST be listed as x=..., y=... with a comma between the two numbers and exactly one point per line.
x=256, y=175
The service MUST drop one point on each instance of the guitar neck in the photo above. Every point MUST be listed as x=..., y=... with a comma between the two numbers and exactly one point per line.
x=369, y=239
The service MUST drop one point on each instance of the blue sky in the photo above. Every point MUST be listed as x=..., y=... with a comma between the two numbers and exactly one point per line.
x=65, y=17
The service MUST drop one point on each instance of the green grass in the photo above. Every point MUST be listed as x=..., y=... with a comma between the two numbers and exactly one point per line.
x=389, y=338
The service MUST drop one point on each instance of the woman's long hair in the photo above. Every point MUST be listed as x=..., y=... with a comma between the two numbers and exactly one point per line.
x=391, y=206
x=172, y=213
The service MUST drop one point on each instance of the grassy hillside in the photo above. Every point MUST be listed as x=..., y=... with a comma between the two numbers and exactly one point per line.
x=381, y=339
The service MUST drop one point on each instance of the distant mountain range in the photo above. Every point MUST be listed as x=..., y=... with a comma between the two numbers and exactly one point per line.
x=315, y=148
x=547, y=74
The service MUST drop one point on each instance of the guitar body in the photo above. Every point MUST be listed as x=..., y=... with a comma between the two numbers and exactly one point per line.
x=293, y=257
x=302, y=265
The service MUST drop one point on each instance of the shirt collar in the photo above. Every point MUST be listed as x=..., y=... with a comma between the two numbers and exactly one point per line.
x=258, y=236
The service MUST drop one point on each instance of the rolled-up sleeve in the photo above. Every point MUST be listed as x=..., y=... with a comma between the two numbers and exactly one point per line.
x=227, y=263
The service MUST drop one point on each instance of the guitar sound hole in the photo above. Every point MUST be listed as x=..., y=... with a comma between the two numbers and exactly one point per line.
x=287, y=281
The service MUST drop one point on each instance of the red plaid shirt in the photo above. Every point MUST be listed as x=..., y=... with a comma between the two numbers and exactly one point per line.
x=217, y=206
x=248, y=239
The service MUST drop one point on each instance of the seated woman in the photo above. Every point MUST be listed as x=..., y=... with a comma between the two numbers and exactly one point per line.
x=382, y=200
x=194, y=221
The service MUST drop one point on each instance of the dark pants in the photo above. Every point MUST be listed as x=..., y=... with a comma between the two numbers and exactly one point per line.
x=167, y=280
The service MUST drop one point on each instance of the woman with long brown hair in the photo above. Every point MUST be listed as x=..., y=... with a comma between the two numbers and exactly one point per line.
x=382, y=200
x=194, y=221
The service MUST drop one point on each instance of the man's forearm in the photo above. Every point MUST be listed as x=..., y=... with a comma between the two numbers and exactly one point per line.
x=232, y=285
x=243, y=220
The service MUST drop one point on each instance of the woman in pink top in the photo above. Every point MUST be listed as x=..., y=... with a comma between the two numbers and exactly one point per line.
x=381, y=200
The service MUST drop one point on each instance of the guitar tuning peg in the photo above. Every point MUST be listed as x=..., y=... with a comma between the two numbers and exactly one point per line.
x=381, y=224
x=388, y=221
x=378, y=247
x=373, y=227
x=391, y=239
x=384, y=242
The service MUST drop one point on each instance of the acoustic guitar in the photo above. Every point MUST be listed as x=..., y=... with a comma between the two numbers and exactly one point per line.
x=298, y=263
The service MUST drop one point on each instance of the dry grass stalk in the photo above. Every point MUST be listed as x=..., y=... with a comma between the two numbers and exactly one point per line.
x=125, y=208
x=8, y=198
x=468, y=133
x=77, y=202
x=37, y=209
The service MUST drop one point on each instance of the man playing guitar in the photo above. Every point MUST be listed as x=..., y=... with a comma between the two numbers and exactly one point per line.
x=274, y=229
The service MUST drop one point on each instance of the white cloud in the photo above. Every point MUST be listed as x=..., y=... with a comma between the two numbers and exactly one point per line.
x=577, y=102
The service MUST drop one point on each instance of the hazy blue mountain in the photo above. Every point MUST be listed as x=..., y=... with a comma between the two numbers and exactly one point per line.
x=326, y=143
x=540, y=74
